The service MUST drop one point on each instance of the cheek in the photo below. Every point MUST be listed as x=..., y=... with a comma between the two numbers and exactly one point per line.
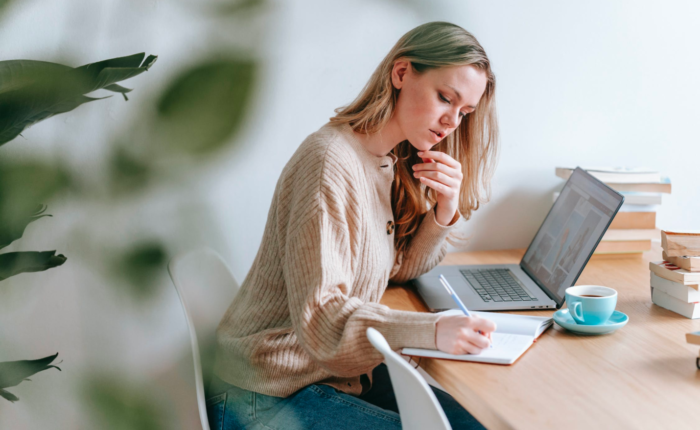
x=417, y=109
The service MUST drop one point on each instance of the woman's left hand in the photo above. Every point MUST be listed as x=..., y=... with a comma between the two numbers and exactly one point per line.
x=444, y=175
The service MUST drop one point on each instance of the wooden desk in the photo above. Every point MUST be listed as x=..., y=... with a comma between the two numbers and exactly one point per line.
x=642, y=376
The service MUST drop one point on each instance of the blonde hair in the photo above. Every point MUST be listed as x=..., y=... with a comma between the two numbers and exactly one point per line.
x=474, y=143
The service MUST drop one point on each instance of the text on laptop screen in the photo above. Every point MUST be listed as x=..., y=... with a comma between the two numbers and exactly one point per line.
x=570, y=232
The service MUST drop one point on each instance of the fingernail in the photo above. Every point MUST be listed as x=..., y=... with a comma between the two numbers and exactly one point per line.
x=420, y=152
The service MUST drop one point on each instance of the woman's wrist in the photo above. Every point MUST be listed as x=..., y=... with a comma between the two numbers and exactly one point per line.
x=445, y=216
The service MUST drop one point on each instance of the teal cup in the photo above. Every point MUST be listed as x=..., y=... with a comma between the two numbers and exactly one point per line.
x=591, y=304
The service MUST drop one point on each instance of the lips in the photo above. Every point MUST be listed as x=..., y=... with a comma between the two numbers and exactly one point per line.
x=437, y=135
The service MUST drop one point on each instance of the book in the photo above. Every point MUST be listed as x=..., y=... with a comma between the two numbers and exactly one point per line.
x=630, y=234
x=634, y=202
x=674, y=273
x=693, y=337
x=513, y=336
x=638, y=208
x=654, y=187
x=688, y=310
x=618, y=175
x=633, y=220
x=679, y=244
x=691, y=264
x=639, y=198
x=686, y=293
x=623, y=247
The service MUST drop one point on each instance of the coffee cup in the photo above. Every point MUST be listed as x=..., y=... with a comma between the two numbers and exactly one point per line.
x=591, y=304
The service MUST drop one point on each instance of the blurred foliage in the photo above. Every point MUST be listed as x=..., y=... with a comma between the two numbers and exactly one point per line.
x=31, y=91
x=14, y=263
x=235, y=8
x=142, y=265
x=203, y=107
x=12, y=373
x=11, y=231
x=23, y=186
x=127, y=173
x=117, y=405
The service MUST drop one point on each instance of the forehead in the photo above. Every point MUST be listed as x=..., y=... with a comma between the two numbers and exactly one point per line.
x=468, y=81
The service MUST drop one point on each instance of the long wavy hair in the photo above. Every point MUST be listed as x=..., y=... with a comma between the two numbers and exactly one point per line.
x=474, y=143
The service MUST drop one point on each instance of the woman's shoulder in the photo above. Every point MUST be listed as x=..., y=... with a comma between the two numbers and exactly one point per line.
x=324, y=151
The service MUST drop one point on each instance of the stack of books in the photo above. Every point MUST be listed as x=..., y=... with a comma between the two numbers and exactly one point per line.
x=675, y=282
x=634, y=226
x=694, y=338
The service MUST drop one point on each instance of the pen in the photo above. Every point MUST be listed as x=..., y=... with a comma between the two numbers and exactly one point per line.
x=454, y=296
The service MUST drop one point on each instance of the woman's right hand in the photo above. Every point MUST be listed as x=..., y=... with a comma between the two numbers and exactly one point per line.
x=459, y=334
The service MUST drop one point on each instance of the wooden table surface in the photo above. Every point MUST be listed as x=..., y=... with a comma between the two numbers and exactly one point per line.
x=641, y=376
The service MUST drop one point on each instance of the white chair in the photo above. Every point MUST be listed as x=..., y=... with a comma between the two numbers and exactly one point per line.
x=206, y=288
x=418, y=407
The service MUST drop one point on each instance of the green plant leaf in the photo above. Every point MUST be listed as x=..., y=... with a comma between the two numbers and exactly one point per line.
x=32, y=91
x=12, y=373
x=11, y=231
x=14, y=263
x=204, y=106
x=141, y=265
x=116, y=404
x=22, y=186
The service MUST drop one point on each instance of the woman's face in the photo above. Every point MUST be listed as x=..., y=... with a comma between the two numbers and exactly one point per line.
x=431, y=105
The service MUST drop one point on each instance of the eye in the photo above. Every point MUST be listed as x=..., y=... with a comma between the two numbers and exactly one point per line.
x=444, y=99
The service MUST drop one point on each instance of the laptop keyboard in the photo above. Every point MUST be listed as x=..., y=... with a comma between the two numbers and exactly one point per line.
x=497, y=285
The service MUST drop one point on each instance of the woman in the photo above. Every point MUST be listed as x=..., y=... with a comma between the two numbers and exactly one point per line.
x=367, y=199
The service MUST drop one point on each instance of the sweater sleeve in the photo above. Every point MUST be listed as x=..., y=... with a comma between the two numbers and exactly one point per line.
x=426, y=250
x=330, y=323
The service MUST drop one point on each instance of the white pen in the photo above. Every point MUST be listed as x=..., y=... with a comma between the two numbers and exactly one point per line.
x=454, y=296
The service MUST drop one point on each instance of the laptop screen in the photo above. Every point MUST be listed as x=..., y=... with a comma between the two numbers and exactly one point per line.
x=570, y=232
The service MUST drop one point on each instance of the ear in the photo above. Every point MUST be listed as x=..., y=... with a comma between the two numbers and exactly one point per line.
x=399, y=71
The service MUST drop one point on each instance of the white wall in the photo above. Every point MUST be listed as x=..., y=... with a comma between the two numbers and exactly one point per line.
x=594, y=83
x=579, y=83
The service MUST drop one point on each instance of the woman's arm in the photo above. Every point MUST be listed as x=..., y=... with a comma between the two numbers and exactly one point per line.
x=328, y=319
x=426, y=250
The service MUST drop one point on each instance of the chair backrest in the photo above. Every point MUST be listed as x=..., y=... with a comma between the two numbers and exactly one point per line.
x=206, y=288
x=418, y=406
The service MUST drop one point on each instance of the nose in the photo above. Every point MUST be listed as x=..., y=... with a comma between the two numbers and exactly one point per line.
x=451, y=119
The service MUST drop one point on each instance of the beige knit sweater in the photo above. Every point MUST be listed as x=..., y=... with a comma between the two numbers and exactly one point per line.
x=326, y=258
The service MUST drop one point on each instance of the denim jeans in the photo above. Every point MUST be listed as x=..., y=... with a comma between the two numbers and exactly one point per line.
x=319, y=406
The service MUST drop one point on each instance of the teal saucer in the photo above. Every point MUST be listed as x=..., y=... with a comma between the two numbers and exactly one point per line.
x=616, y=321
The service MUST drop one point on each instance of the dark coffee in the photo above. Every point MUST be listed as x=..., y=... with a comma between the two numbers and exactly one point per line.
x=589, y=295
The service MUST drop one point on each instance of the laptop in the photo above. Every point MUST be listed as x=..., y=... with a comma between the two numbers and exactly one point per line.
x=552, y=263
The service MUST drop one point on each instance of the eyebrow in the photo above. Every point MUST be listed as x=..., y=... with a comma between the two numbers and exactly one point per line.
x=459, y=96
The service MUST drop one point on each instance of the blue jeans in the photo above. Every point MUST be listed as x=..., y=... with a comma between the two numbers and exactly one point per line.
x=319, y=406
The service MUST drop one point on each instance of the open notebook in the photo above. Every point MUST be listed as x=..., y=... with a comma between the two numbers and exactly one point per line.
x=513, y=336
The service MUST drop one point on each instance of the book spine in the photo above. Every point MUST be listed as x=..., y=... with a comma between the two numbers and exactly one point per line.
x=688, y=310
x=682, y=292
x=633, y=221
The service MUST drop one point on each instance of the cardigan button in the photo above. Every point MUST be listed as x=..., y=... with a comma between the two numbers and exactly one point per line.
x=389, y=227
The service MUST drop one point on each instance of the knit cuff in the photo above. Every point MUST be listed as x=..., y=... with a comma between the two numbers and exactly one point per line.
x=411, y=330
x=431, y=234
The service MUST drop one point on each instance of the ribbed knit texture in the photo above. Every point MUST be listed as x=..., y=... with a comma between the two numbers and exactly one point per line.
x=325, y=261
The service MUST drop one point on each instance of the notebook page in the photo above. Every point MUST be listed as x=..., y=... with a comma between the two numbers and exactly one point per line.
x=506, y=349
x=509, y=323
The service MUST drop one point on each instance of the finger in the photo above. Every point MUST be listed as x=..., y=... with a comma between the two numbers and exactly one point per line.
x=441, y=157
x=470, y=348
x=439, y=177
x=437, y=186
x=484, y=325
x=440, y=167
x=478, y=339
